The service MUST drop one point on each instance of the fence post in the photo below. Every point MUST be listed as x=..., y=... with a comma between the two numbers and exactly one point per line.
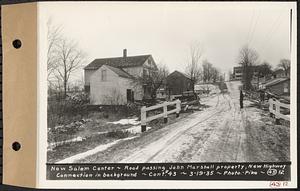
x=177, y=108
x=165, y=113
x=277, y=111
x=271, y=107
x=143, y=119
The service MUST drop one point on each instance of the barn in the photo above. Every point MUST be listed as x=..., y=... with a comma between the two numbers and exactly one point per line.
x=177, y=83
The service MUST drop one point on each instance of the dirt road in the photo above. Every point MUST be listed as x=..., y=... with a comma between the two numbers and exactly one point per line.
x=216, y=134
x=221, y=133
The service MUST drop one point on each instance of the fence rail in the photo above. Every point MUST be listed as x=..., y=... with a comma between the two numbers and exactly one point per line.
x=276, y=112
x=144, y=109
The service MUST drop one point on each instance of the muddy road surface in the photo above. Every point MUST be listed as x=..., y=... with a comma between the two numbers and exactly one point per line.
x=220, y=133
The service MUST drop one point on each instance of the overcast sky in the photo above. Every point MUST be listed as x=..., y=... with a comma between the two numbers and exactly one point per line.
x=166, y=30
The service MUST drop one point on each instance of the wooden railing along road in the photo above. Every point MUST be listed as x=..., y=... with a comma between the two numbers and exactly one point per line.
x=275, y=110
x=144, y=109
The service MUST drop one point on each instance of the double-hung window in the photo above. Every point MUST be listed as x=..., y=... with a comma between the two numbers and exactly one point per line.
x=103, y=75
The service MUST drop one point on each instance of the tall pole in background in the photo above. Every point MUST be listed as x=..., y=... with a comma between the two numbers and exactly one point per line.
x=291, y=17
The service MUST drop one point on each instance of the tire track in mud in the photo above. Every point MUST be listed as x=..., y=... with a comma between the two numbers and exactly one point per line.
x=215, y=148
x=198, y=146
x=225, y=142
x=218, y=101
x=240, y=145
x=216, y=136
x=171, y=141
x=239, y=118
x=169, y=144
x=230, y=133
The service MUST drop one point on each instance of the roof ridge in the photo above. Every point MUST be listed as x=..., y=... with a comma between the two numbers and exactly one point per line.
x=276, y=80
x=113, y=69
x=181, y=73
x=123, y=57
x=118, y=62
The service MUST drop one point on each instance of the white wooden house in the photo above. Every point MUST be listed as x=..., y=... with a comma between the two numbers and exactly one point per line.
x=111, y=81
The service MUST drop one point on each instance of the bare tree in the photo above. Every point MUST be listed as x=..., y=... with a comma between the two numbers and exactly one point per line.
x=63, y=58
x=193, y=68
x=264, y=69
x=215, y=76
x=210, y=73
x=152, y=80
x=207, y=71
x=230, y=75
x=53, y=37
x=247, y=59
x=68, y=59
x=285, y=64
x=221, y=78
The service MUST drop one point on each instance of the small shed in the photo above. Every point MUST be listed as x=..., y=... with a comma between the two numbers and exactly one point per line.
x=278, y=86
x=177, y=83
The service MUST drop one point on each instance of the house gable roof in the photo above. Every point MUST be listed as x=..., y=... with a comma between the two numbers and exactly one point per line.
x=275, y=81
x=118, y=71
x=279, y=71
x=118, y=62
x=178, y=73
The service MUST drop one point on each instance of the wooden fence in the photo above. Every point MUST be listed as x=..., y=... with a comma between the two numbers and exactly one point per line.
x=144, y=109
x=275, y=110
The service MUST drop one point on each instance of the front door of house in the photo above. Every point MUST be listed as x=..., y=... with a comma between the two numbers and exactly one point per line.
x=129, y=96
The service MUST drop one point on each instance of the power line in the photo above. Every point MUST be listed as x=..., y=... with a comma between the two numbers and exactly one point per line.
x=269, y=34
x=253, y=32
x=291, y=17
x=250, y=28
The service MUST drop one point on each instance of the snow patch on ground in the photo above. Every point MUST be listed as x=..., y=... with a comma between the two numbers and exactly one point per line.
x=100, y=148
x=126, y=121
x=136, y=129
x=101, y=133
x=55, y=144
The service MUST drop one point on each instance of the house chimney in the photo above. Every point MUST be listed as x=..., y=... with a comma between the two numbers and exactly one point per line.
x=124, y=53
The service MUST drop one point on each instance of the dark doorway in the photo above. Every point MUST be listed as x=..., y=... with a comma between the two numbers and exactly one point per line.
x=130, y=95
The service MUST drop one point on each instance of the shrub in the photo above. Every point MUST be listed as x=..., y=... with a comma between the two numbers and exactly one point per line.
x=63, y=110
x=118, y=134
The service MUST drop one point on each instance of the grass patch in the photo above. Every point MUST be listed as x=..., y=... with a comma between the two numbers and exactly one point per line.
x=125, y=148
x=118, y=134
x=71, y=149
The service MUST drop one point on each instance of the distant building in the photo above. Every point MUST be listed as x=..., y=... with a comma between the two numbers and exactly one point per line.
x=280, y=73
x=177, y=83
x=238, y=72
x=109, y=81
x=206, y=88
x=262, y=80
x=161, y=93
x=278, y=86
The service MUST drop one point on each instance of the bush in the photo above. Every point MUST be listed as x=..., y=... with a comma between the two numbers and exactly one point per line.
x=65, y=110
x=120, y=110
x=118, y=134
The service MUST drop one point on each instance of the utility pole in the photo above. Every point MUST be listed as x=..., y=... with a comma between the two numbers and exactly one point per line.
x=291, y=18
